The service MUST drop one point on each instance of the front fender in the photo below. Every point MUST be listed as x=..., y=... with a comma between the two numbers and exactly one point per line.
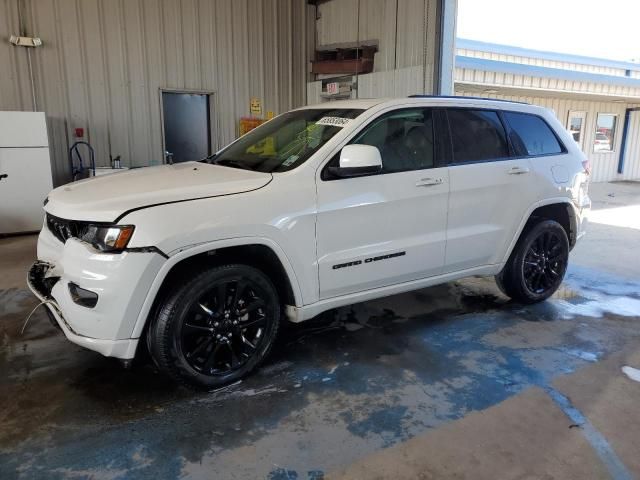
x=190, y=251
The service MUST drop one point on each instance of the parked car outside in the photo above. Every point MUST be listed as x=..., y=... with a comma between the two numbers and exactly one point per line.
x=602, y=143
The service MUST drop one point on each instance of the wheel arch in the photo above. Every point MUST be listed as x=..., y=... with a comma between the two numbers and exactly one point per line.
x=261, y=253
x=563, y=213
x=559, y=209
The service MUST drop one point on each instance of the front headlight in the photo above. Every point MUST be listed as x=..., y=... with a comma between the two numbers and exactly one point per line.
x=108, y=238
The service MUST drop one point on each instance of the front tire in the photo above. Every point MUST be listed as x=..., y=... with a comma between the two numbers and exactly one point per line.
x=216, y=328
x=537, y=264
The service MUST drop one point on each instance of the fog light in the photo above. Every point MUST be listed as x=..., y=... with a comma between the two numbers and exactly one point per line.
x=82, y=297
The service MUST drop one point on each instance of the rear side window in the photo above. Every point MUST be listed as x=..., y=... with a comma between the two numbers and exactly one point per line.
x=477, y=135
x=530, y=135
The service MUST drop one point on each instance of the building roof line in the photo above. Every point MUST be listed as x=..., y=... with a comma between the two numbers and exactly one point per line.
x=545, y=72
x=544, y=55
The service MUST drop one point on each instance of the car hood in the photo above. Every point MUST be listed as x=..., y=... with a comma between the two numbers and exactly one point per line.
x=105, y=198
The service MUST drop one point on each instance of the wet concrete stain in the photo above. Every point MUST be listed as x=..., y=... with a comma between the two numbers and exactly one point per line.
x=343, y=385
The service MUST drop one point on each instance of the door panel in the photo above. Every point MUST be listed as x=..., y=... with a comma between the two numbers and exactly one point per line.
x=486, y=205
x=489, y=192
x=363, y=220
x=389, y=228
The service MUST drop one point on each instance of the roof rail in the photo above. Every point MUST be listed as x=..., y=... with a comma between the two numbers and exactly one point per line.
x=467, y=98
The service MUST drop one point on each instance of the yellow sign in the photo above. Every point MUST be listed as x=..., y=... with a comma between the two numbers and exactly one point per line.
x=270, y=115
x=255, y=106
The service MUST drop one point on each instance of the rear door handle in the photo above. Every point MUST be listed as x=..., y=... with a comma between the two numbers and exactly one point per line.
x=518, y=170
x=3, y=175
x=428, y=182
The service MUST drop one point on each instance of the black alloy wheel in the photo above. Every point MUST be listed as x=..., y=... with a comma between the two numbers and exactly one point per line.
x=545, y=262
x=224, y=327
x=537, y=264
x=216, y=328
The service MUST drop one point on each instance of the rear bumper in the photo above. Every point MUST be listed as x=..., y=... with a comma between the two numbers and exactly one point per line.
x=41, y=285
x=582, y=208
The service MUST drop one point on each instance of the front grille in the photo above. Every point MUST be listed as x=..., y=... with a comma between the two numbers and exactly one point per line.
x=64, y=229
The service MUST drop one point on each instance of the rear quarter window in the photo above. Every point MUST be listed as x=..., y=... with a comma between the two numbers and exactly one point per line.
x=530, y=135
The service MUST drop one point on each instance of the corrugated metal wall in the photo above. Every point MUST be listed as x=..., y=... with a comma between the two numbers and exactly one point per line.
x=492, y=78
x=103, y=62
x=604, y=165
x=542, y=62
x=397, y=25
x=406, y=31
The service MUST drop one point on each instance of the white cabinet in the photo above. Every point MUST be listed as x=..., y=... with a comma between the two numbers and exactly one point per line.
x=25, y=169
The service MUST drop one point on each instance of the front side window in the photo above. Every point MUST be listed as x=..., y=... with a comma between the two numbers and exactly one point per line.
x=477, y=135
x=605, y=132
x=285, y=142
x=530, y=135
x=404, y=138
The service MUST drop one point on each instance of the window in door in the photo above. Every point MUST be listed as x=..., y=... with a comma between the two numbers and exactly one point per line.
x=477, y=135
x=575, y=125
x=405, y=139
x=530, y=135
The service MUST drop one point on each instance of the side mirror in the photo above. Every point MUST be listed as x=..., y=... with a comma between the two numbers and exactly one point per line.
x=357, y=160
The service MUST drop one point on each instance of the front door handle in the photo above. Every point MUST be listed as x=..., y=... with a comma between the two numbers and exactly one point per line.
x=518, y=170
x=428, y=182
x=3, y=175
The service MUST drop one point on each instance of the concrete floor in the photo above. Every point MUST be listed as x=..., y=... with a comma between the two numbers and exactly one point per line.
x=453, y=381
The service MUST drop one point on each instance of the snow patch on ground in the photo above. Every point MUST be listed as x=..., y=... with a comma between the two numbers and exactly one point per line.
x=627, y=307
x=632, y=373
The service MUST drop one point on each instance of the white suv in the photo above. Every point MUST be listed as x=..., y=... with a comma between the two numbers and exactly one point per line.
x=320, y=207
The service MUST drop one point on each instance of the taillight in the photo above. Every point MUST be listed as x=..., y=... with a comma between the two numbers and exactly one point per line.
x=586, y=164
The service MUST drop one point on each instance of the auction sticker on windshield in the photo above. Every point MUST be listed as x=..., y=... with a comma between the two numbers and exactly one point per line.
x=333, y=121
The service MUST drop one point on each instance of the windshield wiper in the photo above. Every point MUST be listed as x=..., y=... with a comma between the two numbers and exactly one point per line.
x=228, y=162
x=208, y=158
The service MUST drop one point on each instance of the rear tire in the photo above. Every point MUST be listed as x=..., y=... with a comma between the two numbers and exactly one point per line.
x=538, y=263
x=217, y=327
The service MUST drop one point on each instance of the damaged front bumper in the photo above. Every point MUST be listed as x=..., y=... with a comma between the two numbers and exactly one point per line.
x=94, y=297
x=41, y=286
x=41, y=282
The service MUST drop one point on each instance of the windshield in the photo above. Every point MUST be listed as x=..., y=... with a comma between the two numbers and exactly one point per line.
x=285, y=142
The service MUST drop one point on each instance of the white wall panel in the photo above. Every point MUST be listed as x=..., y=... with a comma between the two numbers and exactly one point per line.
x=103, y=62
x=314, y=91
x=406, y=34
x=392, y=83
x=342, y=21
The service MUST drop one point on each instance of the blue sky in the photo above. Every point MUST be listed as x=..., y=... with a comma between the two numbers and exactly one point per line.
x=605, y=29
